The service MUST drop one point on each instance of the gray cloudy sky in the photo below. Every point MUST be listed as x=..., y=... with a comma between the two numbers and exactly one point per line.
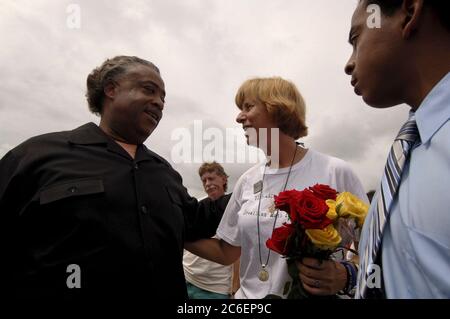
x=205, y=50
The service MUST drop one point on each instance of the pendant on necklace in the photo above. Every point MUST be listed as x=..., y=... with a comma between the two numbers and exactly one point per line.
x=263, y=275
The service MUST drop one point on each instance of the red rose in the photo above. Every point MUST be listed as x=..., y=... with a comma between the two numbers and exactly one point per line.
x=312, y=211
x=324, y=191
x=286, y=201
x=279, y=240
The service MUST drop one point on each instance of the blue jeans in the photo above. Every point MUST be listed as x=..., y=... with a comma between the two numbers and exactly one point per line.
x=195, y=292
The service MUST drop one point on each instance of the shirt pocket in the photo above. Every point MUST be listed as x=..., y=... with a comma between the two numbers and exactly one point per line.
x=73, y=188
x=69, y=218
x=66, y=222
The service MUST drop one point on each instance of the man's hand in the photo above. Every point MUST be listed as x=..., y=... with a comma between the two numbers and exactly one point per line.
x=322, y=278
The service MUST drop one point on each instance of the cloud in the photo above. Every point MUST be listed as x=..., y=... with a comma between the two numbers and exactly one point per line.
x=205, y=50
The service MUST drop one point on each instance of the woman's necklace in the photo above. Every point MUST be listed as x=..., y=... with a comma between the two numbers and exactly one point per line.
x=263, y=274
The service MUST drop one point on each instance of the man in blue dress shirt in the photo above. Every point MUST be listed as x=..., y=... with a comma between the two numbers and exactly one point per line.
x=406, y=59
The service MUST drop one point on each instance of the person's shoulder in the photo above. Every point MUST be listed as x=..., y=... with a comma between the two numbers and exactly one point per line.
x=47, y=137
x=329, y=160
x=226, y=198
x=319, y=156
x=41, y=141
x=223, y=198
x=253, y=170
x=248, y=174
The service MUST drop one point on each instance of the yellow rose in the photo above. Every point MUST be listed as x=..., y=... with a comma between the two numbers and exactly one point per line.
x=327, y=238
x=349, y=205
x=331, y=209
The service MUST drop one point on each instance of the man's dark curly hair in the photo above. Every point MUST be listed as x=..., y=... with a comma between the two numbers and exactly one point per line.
x=109, y=71
x=441, y=7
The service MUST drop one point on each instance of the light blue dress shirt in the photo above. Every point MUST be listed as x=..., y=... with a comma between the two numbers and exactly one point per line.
x=416, y=240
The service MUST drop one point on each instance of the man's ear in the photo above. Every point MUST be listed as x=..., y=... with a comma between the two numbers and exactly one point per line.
x=412, y=11
x=225, y=181
x=110, y=89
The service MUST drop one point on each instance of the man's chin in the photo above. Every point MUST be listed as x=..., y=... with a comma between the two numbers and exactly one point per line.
x=146, y=132
x=140, y=138
x=214, y=195
x=377, y=102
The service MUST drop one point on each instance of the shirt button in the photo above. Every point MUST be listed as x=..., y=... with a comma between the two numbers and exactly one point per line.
x=144, y=209
x=136, y=166
x=72, y=190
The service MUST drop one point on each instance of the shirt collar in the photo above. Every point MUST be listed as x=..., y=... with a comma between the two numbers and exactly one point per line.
x=91, y=134
x=434, y=110
x=87, y=134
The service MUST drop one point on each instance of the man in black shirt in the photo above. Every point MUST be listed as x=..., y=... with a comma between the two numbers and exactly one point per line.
x=92, y=212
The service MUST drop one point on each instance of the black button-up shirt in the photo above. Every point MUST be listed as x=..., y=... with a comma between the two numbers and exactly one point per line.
x=77, y=197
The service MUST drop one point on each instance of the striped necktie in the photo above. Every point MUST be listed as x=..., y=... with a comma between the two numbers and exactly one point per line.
x=390, y=182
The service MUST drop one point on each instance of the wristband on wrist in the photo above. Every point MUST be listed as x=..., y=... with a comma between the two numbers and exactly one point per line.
x=352, y=272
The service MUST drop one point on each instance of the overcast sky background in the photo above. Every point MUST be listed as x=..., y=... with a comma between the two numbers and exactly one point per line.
x=205, y=49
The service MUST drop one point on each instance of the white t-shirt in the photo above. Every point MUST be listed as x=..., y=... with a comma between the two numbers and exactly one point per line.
x=206, y=274
x=238, y=226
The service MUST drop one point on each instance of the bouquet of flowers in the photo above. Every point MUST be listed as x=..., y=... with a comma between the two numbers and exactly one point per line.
x=314, y=214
